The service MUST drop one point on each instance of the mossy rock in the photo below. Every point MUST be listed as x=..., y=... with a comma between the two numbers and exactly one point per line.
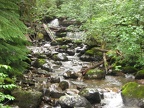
x=59, y=57
x=140, y=74
x=63, y=47
x=133, y=90
x=129, y=69
x=95, y=74
x=27, y=99
x=61, y=41
x=93, y=52
x=64, y=85
x=78, y=42
x=90, y=52
x=39, y=62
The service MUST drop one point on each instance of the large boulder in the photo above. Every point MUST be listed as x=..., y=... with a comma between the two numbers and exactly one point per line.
x=91, y=94
x=69, y=101
x=27, y=99
x=133, y=94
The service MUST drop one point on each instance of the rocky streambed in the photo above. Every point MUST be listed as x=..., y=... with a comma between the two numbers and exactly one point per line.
x=56, y=78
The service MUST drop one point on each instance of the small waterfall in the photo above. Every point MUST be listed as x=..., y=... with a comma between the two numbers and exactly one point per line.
x=54, y=23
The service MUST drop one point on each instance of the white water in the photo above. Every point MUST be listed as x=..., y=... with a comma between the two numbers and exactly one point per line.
x=112, y=100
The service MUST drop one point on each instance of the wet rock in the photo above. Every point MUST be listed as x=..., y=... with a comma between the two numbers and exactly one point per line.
x=54, y=43
x=87, y=58
x=70, y=52
x=27, y=99
x=45, y=106
x=46, y=67
x=133, y=94
x=60, y=57
x=91, y=94
x=55, y=91
x=39, y=63
x=140, y=74
x=55, y=79
x=69, y=101
x=70, y=74
x=72, y=91
x=44, y=72
x=79, y=85
x=62, y=48
x=46, y=99
x=94, y=74
x=64, y=85
x=129, y=69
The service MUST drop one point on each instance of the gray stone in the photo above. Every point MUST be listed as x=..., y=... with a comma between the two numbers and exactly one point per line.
x=64, y=85
x=91, y=94
x=69, y=101
x=70, y=74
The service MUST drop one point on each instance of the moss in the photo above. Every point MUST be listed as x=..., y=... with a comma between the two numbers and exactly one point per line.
x=78, y=42
x=93, y=51
x=90, y=52
x=133, y=90
x=41, y=61
x=64, y=47
x=25, y=99
x=55, y=57
x=39, y=36
x=129, y=69
x=63, y=40
x=140, y=74
x=94, y=71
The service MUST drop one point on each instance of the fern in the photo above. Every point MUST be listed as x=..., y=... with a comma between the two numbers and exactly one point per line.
x=13, y=49
x=5, y=86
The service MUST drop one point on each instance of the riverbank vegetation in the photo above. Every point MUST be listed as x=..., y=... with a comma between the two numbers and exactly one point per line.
x=116, y=27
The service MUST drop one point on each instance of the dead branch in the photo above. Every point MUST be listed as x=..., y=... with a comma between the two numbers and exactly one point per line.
x=51, y=35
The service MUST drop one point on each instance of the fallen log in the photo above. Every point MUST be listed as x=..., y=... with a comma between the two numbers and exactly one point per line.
x=48, y=30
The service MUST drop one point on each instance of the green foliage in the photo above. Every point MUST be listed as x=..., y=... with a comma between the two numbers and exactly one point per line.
x=36, y=10
x=5, y=86
x=2, y=106
x=116, y=24
x=13, y=49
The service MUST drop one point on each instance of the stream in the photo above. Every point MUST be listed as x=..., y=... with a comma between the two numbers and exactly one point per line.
x=110, y=86
x=53, y=63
